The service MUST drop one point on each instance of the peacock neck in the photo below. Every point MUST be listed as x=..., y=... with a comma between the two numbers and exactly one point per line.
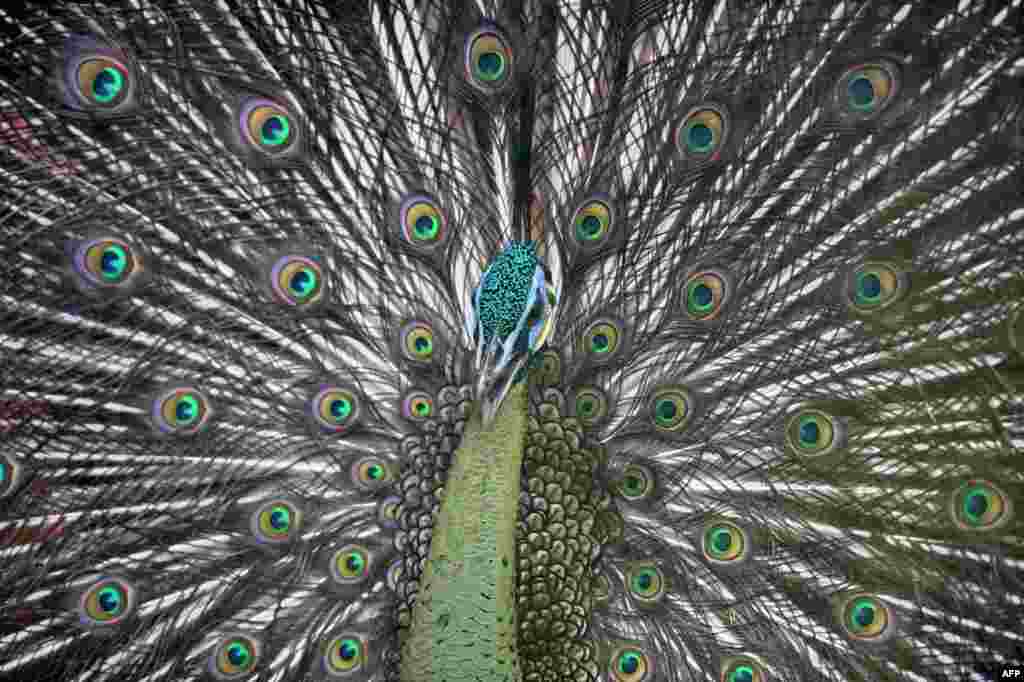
x=464, y=622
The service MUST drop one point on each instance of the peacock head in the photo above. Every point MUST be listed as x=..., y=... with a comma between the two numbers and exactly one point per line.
x=512, y=316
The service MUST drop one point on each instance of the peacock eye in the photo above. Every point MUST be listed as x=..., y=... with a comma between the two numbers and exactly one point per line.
x=351, y=564
x=646, y=583
x=636, y=483
x=700, y=135
x=742, y=668
x=267, y=126
x=724, y=542
x=865, y=90
x=234, y=657
x=97, y=78
x=103, y=81
x=875, y=285
x=866, y=618
x=345, y=655
x=335, y=409
x=602, y=339
x=107, y=601
x=812, y=433
x=107, y=262
x=630, y=664
x=276, y=522
x=591, y=405
x=297, y=280
x=489, y=59
x=593, y=222
x=180, y=411
x=417, y=406
x=418, y=342
x=671, y=409
x=372, y=473
x=706, y=293
x=423, y=222
x=979, y=505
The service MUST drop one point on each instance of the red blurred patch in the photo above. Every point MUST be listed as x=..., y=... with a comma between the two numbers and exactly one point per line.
x=30, y=536
x=19, y=409
x=39, y=487
x=17, y=132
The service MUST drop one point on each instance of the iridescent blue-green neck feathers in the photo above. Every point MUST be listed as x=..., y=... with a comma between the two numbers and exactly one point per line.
x=513, y=314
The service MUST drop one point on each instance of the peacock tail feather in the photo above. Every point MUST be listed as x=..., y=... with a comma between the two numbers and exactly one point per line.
x=422, y=341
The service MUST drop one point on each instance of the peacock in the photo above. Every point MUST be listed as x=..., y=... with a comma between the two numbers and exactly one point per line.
x=511, y=340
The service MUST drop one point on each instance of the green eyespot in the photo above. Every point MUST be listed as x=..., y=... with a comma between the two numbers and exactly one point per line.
x=602, y=340
x=866, y=618
x=979, y=505
x=107, y=264
x=590, y=405
x=335, y=409
x=234, y=657
x=875, y=285
x=180, y=411
x=742, y=668
x=706, y=294
x=418, y=342
x=593, y=222
x=110, y=261
x=106, y=601
x=345, y=656
x=267, y=125
x=418, y=406
x=103, y=81
x=867, y=89
x=276, y=522
x=372, y=473
x=489, y=60
x=423, y=223
x=671, y=409
x=813, y=433
x=297, y=280
x=646, y=583
x=702, y=133
x=351, y=564
x=98, y=78
x=725, y=543
x=630, y=663
x=637, y=483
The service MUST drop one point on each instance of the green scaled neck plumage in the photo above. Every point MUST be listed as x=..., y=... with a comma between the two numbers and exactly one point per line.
x=464, y=624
